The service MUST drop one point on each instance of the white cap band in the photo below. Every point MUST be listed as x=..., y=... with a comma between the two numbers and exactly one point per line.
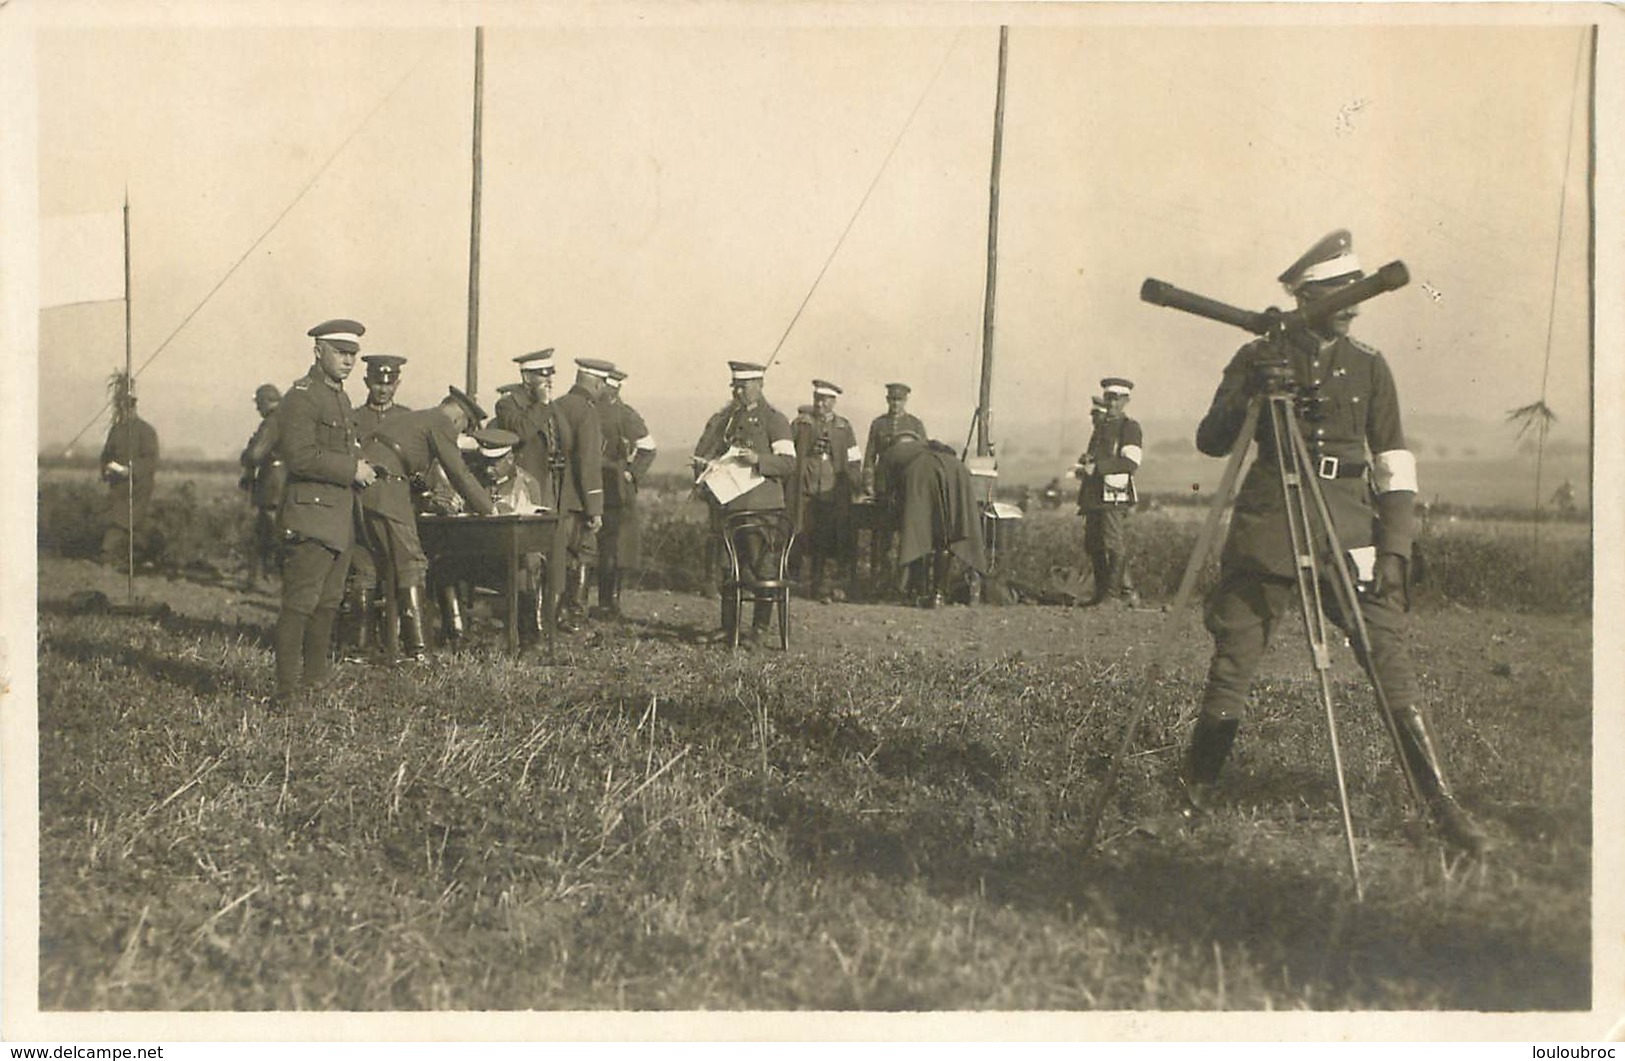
x=1342, y=265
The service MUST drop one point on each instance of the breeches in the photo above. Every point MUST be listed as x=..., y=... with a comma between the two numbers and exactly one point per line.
x=395, y=548
x=312, y=578
x=1242, y=612
x=619, y=539
x=826, y=531
x=1103, y=532
x=571, y=542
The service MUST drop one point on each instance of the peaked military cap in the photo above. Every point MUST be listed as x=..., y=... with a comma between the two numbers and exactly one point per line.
x=495, y=442
x=897, y=390
x=825, y=387
x=743, y=371
x=536, y=361
x=617, y=377
x=595, y=366
x=1116, y=385
x=383, y=368
x=469, y=405
x=267, y=392
x=345, y=335
x=1331, y=258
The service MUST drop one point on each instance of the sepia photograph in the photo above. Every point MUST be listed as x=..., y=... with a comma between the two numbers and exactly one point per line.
x=812, y=521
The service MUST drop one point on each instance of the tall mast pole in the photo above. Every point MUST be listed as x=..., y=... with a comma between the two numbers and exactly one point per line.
x=984, y=411
x=473, y=369
x=129, y=420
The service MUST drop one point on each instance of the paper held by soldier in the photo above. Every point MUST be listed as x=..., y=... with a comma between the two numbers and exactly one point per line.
x=730, y=476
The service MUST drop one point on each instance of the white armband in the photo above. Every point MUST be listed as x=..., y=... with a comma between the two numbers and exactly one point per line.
x=784, y=448
x=1133, y=453
x=1394, y=469
x=854, y=454
x=646, y=442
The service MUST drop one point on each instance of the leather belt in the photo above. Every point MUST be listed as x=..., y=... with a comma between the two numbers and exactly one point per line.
x=395, y=448
x=1333, y=468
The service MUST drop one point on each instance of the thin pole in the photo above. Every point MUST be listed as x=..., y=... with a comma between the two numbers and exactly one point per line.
x=984, y=407
x=129, y=420
x=473, y=369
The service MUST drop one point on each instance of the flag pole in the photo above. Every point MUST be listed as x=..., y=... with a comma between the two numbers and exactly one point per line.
x=984, y=408
x=129, y=420
x=473, y=369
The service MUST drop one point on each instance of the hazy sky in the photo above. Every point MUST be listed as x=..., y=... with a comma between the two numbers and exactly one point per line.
x=665, y=196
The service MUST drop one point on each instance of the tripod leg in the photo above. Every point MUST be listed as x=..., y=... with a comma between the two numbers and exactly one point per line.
x=1413, y=747
x=1294, y=472
x=1205, y=541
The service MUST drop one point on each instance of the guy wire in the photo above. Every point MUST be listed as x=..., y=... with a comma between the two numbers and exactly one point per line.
x=878, y=173
x=255, y=245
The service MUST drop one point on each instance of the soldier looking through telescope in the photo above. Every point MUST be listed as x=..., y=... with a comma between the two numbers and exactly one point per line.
x=1347, y=400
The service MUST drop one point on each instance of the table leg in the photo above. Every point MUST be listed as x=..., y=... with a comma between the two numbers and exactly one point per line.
x=513, y=588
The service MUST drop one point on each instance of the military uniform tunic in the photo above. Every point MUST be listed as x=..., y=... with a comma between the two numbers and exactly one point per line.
x=628, y=452
x=764, y=430
x=829, y=469
x=1352, y=431
x=881, y=433
x=403, y=447
x=532, y=421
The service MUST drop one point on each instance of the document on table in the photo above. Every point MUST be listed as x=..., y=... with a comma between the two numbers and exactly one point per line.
x=729, y=476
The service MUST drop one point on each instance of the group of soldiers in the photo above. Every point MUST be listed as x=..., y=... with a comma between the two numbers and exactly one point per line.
x=583, y=454
x=338, y=491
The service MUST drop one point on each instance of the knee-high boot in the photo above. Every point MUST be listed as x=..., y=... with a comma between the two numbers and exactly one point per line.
x=413, y=646
x=1205, y=757
x=1456, y=827
x=289, y=642
x=318, y=642
x=451, y=615
x=388, y=617
x=355, y=629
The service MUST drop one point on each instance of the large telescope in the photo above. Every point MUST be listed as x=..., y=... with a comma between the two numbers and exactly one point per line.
x=1390, y=277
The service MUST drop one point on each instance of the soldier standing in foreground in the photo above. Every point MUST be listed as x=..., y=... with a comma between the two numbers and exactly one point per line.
x=317, y=441
x=1106, y=493
x=829, y=470
x=383, y=379
x=264, y=477
x=759, y=437
x=1352, y=426
x=882, y=432
x=629, y=449
x=579, y=460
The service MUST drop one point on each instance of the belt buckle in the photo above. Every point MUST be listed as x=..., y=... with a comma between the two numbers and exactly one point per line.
x=1328, y=468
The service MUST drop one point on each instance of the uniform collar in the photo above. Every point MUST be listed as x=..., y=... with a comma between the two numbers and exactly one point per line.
x=317, y=375
x=380, y=408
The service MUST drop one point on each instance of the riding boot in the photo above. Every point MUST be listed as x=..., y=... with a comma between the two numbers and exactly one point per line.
x=1102, y=581
x=817, y=566
x=452, y=631
x=941, y=578
x=1210, y=746
x=388, y=618
x=1456, y=827
x=318, y=640
x=289, y=642
x=411, y=606
x=355, y=626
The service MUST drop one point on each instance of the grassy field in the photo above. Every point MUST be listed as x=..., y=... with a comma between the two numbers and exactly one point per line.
x=885, y=818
